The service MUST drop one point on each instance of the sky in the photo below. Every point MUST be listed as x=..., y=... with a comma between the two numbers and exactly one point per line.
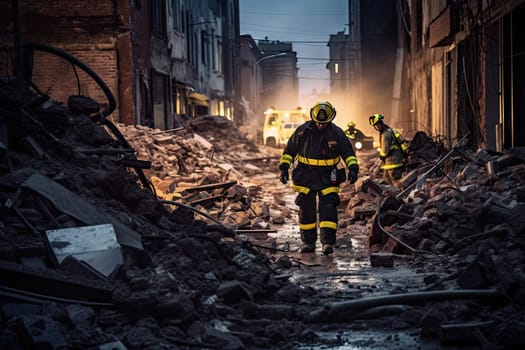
x=307, y=24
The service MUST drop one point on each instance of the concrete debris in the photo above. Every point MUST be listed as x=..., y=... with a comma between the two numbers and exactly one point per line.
x=193, y=275
x=82, y=180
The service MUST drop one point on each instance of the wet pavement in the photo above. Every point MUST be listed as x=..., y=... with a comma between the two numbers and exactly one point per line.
x=344, y=275
x=228, y=295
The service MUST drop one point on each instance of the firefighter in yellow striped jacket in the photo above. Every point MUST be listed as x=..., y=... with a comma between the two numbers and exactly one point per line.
x=315, y=151
x=392, y=150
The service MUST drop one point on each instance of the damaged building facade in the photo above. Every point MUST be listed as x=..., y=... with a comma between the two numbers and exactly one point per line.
x=466, y=66
x=163, y=60
x=449, y=68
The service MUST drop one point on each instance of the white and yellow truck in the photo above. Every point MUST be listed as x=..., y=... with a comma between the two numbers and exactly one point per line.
x=279, y=125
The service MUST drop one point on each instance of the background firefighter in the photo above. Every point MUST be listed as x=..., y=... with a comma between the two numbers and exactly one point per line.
x=392, y=151
x=353, y=133
x=316, y=148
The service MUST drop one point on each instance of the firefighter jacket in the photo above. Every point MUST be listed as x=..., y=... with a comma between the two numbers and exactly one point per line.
x=390, y=149
x=316, y=155
x=354, y=134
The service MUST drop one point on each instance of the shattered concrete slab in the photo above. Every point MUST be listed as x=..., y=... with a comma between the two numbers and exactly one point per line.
x=96, y=245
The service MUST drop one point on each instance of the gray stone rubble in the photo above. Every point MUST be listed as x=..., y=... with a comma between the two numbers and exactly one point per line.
x=204, y=285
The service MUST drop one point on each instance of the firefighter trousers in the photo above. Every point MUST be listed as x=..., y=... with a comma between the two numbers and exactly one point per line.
x=311, y=206
x=393, y=177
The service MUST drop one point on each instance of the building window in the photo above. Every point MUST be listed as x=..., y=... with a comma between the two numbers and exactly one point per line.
x=183, y=20
x=204, y=47
x=336, y=68
x=160, y=100
x=188, y=36
x=194, y=52
x=139, y=97
x=213, y=58
x=158, y=17
x=176, y=13
x=218, y=53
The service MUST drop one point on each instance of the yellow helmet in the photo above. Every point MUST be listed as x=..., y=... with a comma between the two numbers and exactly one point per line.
x=374, y=119
x=351, y=125
x=322, y=112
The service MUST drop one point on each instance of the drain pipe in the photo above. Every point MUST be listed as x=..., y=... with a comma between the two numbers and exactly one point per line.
x=333, y=312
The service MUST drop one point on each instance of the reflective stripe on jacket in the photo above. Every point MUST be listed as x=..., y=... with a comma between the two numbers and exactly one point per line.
x=389, y=149
x=316, y=154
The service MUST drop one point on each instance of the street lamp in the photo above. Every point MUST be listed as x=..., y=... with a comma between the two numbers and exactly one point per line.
x=256, y=83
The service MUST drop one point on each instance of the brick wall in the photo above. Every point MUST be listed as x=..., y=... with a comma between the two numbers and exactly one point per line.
x=57, y=77
x=85, y=30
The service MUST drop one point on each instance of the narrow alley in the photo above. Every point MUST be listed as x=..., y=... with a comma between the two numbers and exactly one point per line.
x=213, y=261
x=152, y=152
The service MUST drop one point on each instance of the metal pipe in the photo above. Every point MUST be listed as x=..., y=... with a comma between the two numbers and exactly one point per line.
x=348, y=309
x=189, y=207
x=423, y=177
x=73, y=60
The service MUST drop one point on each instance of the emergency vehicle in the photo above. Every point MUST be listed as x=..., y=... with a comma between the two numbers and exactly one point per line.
x=279, y=125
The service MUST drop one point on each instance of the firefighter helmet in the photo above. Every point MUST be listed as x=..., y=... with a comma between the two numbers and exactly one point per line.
x=322, y=112
x=374, y=119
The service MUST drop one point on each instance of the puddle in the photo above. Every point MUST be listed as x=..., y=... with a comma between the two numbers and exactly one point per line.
x=365, y=340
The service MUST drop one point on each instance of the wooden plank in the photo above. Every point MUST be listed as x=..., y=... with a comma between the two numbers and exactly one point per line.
x=104, y=150
x=206, y=199
x=256, y=230
x=211, y=186
x=253, y=234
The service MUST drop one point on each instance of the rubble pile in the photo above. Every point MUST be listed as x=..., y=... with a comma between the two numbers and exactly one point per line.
x=207, y=164
x=462, y=224
x=210, y=146
x=173, y=280
x=168, y=269
x=463, y=208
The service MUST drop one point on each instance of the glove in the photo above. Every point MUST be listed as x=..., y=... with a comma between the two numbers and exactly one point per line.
x=284, y=176
x=352, y=176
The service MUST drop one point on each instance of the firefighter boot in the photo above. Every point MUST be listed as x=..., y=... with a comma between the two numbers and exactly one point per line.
x=327, y=240
x=309, y=238
x=328, y=249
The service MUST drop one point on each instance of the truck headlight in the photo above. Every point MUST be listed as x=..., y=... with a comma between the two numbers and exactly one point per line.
x=358, y=145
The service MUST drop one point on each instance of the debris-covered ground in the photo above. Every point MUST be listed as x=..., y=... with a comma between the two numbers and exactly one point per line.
x=202, y=247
